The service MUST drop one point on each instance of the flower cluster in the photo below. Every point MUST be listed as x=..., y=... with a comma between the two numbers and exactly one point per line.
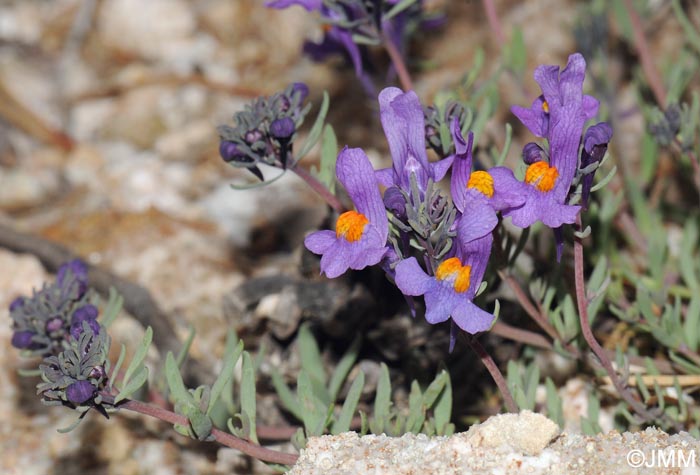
x=59, y=323
x=43, y=322
x=75, y=376
x=351, y=25
x=264, y=131
x=438, y=246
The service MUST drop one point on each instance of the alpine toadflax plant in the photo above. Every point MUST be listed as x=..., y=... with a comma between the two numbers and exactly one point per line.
x=452, y=238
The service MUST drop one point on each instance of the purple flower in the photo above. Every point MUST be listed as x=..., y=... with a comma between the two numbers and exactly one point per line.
x=595, y=144
x=360, y=236
x=80, y=392
x=449, y=293
x=403, y=121
x=282, y=129
x=17, y=303
x=336, y=39
x=559, y=116
x=78, y=271
x=230, y=152
x=87, y=313
x=497, y=186
x=77, y=267
x=532, y=153
x=22, y=339
x=76, y=329
x=54, y=324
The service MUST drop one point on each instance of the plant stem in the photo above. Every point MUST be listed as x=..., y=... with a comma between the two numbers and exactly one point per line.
x=520, y=294
x=319, y=188
x=654, y=77
x=224, y=438
x=494, y=21
x=645, y=57
x=398, y=62
x=582, y=303
x=495, y=373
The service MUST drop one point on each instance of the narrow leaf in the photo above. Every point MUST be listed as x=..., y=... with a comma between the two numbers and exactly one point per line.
x=115, y=372
x=382, y=400
x=342, y=423
x=316, y=129
x=289, y=401
x=248, y=394
x=134, y=384
x=442, y=410
x=343, y=368
x=231, y=355
x=139, y=356
x=178, y=391
x=114, y=306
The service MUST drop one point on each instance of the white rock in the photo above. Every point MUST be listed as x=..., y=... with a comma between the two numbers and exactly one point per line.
x=155, y=29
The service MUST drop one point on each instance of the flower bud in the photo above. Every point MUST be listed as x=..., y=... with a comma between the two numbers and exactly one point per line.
x=80, y=392
x=532, y=153
x=282, y=129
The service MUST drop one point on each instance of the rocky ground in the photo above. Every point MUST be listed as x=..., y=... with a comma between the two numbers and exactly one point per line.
x=524, y=443
x=108, y=145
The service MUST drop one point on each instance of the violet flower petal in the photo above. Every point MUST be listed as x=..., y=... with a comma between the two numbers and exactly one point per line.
x=355, y=172
x=411, y=279
x=310, y=5
x=534, y=118
x=470, y=318
x=404, y=126
x=508, y=191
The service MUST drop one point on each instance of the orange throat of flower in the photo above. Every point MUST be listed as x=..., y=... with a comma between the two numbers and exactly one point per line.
x=452, y=268
x=351, y=225
x=481, y=181
x=545, y=107
x=541, y=176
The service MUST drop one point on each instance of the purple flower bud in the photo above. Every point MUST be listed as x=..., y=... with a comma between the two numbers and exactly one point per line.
x=17, y=303
x=532, y=153
x=22, y=339
x=86, y=312
x=77, y=267
x=76, y=328
x=229, y=151
x=595, y=144
x=301, y=89
x=98, y=372
x=282, y=129
x=54, y=324
x=80, y=392
x=253, y=136
x=395, y=201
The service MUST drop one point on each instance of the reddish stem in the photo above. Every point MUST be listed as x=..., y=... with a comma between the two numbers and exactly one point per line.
x=494, y=21
x=398, y=62
x=495, y=373
x=582, y=303
x=224, y=438
x=645, y=57
x=319, y=188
